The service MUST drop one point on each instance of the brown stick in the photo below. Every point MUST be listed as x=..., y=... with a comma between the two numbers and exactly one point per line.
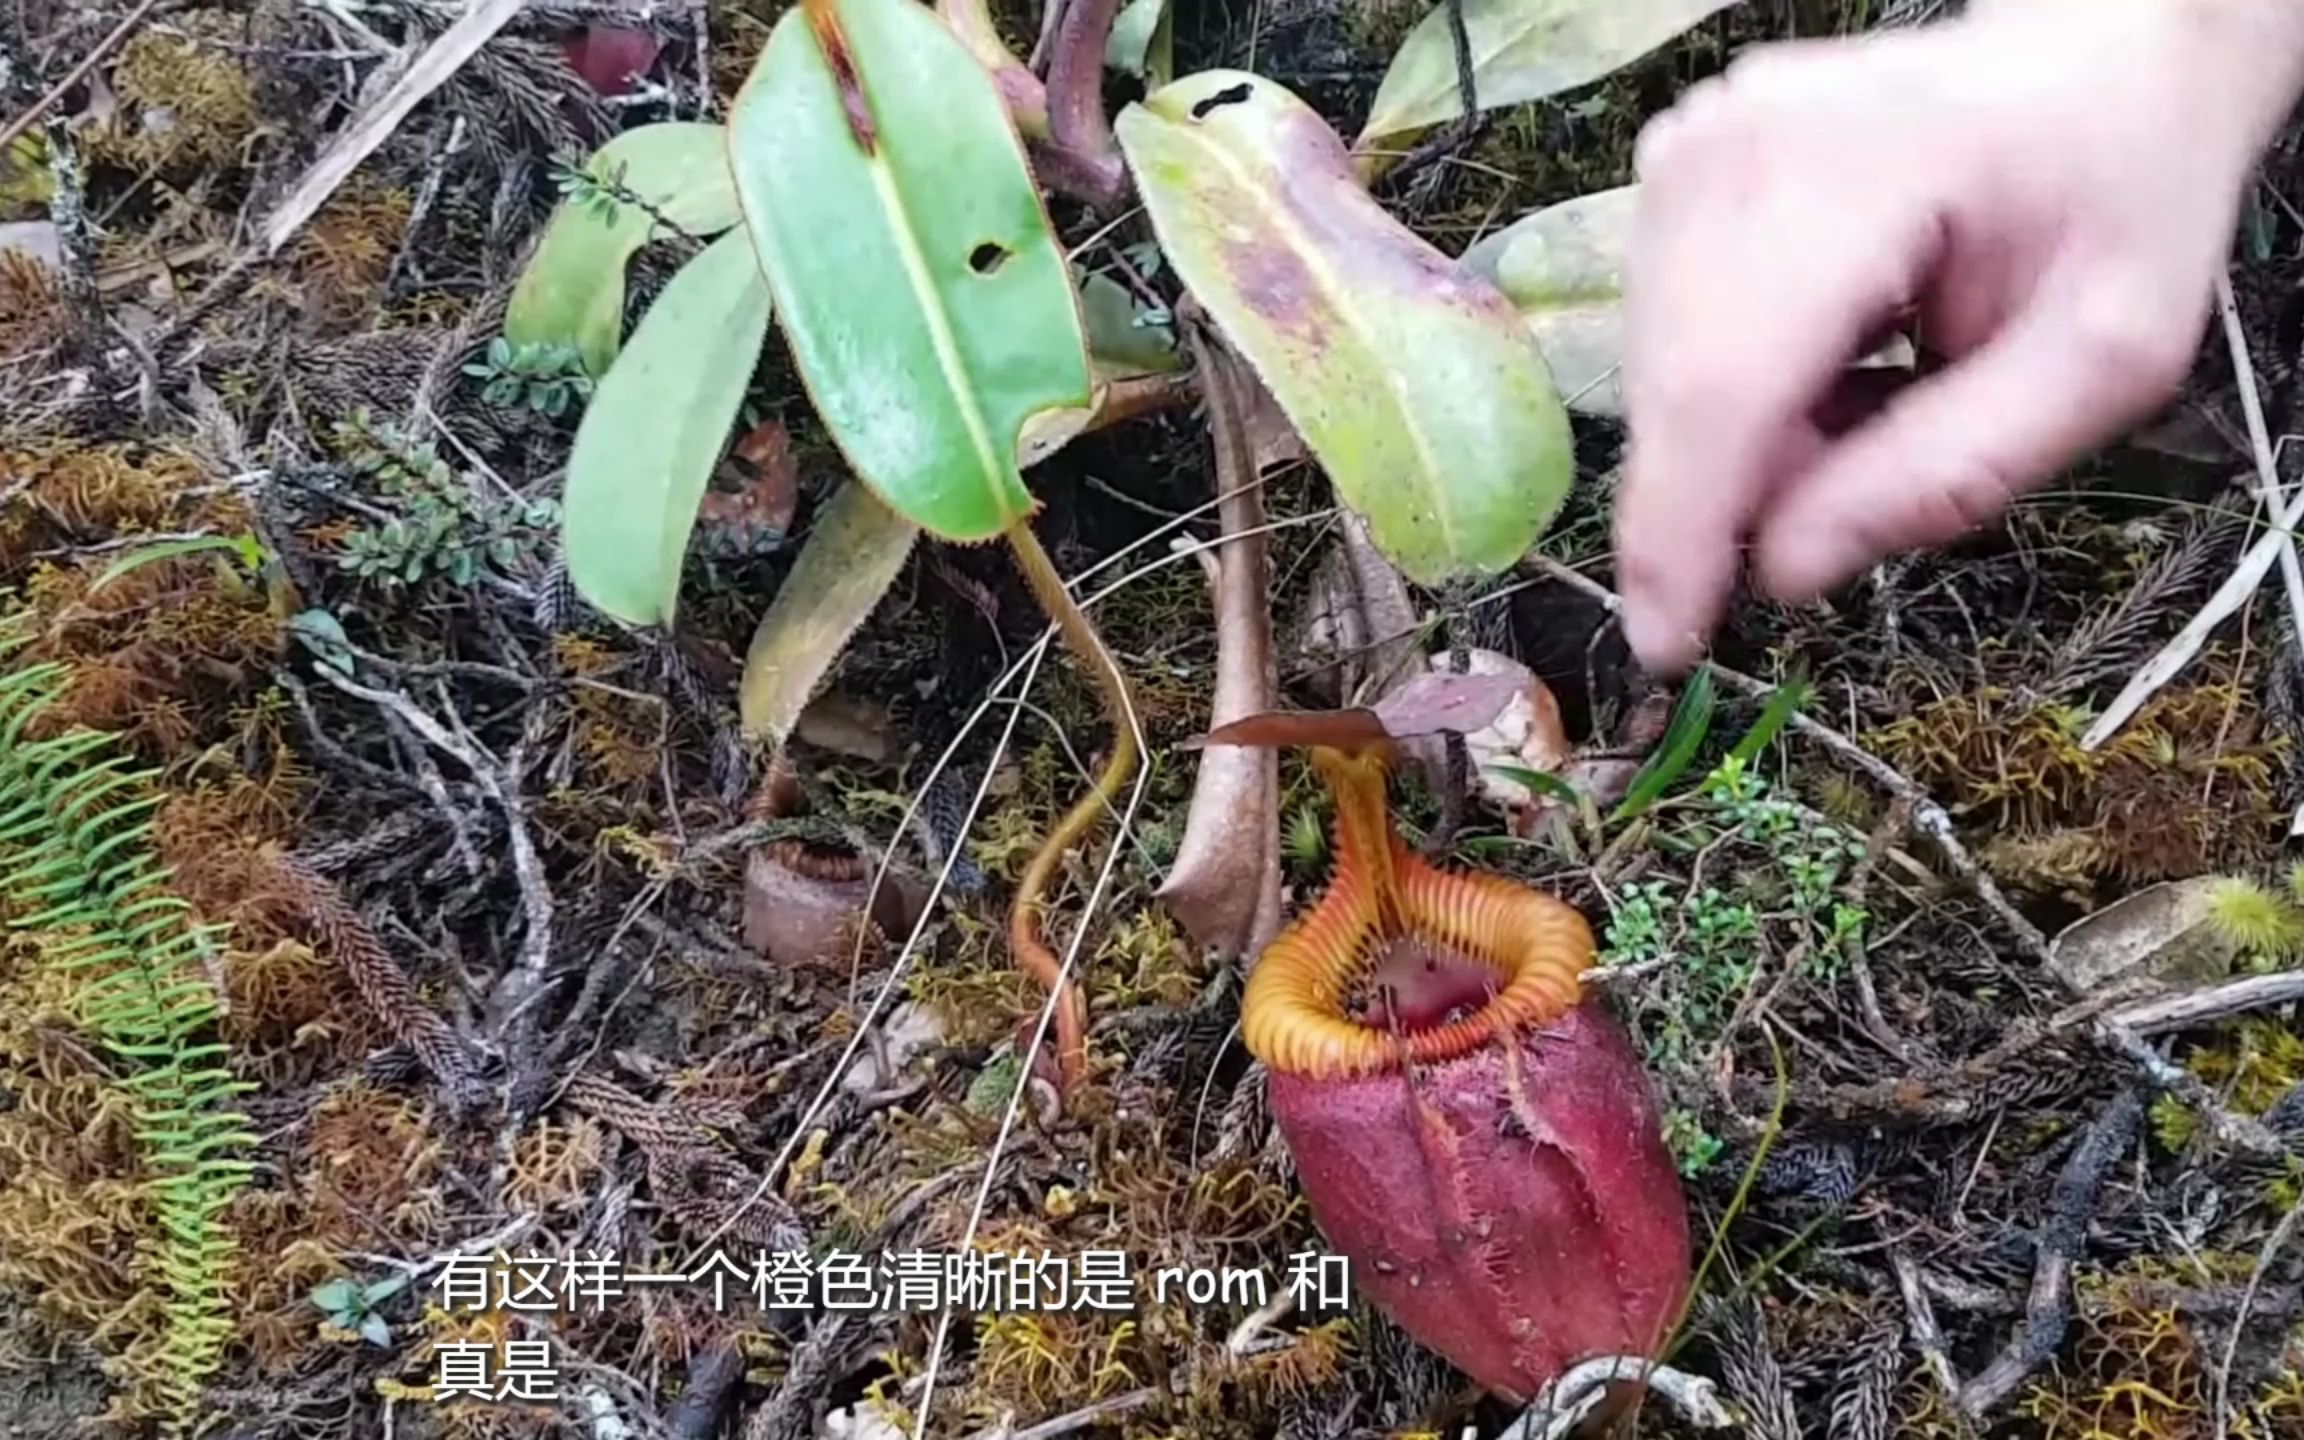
x=2048, y=1314
x=2178, y=1012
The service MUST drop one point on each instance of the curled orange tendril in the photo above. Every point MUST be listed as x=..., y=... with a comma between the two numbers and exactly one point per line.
x=1297, y=1012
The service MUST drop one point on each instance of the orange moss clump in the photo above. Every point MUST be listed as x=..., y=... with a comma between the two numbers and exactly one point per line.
x=155, y=654
x=2138, y=1372
x=186, y=101
x=344, y=255
x=2187, y=786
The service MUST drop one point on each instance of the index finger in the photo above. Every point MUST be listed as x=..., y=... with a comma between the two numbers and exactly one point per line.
x=1749, y=286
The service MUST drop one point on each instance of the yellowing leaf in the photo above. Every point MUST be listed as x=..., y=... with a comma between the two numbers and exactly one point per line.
x=852, y=556
x=645, y=449
x=1562, y=268
x=1410, y=377
x=929, y=307
x=572, y=292
x=1522, y=50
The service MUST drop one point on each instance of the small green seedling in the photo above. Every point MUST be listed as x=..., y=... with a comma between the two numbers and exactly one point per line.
x=544, y=376
x=353, y=1307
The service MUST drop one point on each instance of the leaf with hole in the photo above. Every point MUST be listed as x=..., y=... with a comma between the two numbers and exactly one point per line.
x=1410, y=377
x=929, y=306
x=646, y=446
x=1522, y=50
x=572, y=291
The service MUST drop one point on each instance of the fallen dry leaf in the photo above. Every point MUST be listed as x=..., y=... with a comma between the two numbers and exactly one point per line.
x=1357, y=637
x=748, y=510
x=1431, y=704
x=1526, y=731
x=2164, y=932
x=1224, y=887
x=1440, y=702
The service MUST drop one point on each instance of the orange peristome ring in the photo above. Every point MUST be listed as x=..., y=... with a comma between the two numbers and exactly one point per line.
x=1296, y=1014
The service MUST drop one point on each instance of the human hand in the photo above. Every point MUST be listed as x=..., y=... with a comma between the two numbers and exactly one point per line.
x=2046, y=186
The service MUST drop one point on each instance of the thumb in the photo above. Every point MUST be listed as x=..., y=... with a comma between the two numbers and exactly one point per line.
x=2087, y=359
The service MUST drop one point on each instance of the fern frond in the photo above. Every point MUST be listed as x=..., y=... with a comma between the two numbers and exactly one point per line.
x=78, y=871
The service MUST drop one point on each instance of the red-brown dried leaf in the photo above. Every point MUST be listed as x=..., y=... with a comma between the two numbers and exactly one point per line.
x=1429, y=704
x=748, y=510
x=611, y=58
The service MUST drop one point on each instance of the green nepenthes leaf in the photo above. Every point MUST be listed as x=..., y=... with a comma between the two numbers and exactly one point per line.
x=853, y=555
x=1683, y=737
x=1522, y=50
x=645, y=448
x=1562, y=268
x=572, y=292
x=928, y=305
x=1412, y=379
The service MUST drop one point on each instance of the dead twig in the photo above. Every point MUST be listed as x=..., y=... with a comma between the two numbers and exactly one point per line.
x=2063, y=1238
x=2272, y=1244
x=535, y=894
x=2198, y=1007
x=1077, y=1420
x=1858, y=953
x=2165, y=1074
x=428, y=72
x=1568, y=1400
x=2278, y=544
x=1920, y=1320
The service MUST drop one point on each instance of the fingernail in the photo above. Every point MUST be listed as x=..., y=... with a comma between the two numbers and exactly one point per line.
x=1662, y=647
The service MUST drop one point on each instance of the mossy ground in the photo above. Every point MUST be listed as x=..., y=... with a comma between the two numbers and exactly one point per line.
x=1761, y=916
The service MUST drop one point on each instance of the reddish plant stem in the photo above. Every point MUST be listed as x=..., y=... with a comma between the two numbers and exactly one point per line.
x=1083, y=157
